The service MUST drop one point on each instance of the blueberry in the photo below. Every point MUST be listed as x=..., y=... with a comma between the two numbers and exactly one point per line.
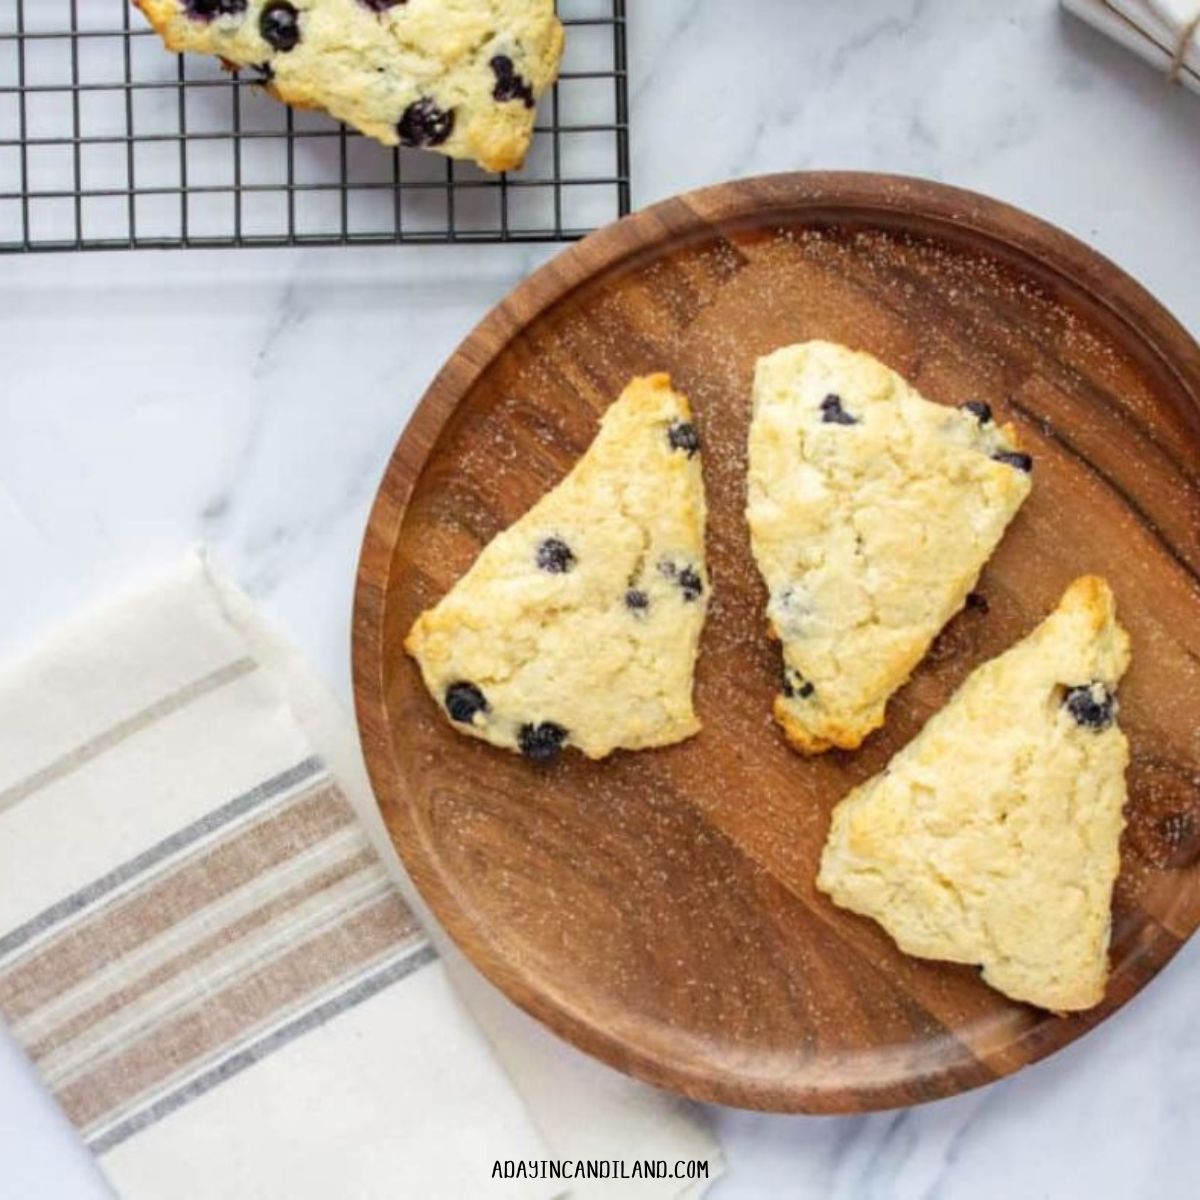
x=688, y=578
x=683, y=436
x=690, y=583
x=424, y=123
x=636, y=600
x=381, y=5
x=464, y=700
x=977, y=601
x=832, y=412
x=795, y=685
x=208, y=10
x=542, y=742
x=280, y=25
x=509, y=85
x=981, y=411
x=555, y=556
x=1092, y=705
x=1014, y=458
x=265, y=72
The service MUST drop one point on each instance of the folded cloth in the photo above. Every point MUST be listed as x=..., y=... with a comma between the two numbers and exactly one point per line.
x=207, y=957
x=1166, y=33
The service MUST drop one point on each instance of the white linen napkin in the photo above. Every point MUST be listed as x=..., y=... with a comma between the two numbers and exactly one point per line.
x=1166, y=33
x=205, y=951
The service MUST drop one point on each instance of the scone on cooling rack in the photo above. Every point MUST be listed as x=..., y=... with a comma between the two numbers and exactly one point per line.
x=872, y=511
x=993, y=837
x=579, y=624
x=462, y=78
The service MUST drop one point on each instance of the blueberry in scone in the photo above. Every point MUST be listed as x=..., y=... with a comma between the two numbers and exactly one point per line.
x=280, y=25
x=425, y=125
x=1014, y=458
x=872, y=511
x=461, y=78
x=542, y=742
x=796, y=686
x=579, y=624
x=464, y=700
x=683, y=436
x=684, y=576
x=555, y=556
x=993, y=837
x=206, y=10
x=1091, y=705
x=832, y=412
x=509, y=85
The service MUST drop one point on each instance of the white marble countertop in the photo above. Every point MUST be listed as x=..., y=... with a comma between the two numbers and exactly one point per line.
x=249, y=400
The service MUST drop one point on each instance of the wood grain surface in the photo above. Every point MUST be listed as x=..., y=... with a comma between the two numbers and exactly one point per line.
x=658, y=909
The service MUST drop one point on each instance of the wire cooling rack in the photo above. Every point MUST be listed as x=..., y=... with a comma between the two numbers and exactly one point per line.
x=108, y=141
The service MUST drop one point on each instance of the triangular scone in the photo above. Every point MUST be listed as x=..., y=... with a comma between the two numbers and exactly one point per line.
x=992, y=837
x=872, y=511
x=579, y=624
x=462, y=78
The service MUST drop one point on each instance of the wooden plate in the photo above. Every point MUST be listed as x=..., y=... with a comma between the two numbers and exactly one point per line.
x=658, y=909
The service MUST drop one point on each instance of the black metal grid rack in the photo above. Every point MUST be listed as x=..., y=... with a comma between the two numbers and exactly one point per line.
x=108, y=141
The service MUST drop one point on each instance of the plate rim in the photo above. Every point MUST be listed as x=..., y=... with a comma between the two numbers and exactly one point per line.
x=1040, y=244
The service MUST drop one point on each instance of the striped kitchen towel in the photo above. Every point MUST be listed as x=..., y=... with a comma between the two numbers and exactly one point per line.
x=204, y=947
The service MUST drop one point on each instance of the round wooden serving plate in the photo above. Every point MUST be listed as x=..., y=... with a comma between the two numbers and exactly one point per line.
x=659, y=909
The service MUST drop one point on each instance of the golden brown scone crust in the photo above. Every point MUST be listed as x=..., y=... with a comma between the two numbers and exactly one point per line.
x=993, y=837
x=872, y=511
x=584, y=616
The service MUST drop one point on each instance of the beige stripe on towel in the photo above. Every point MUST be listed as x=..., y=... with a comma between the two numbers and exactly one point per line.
x=254, y=926
x=135, y=1073
x=96, y=939
x=122, y=995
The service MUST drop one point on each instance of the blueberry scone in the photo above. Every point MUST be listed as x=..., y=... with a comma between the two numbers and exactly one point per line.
x=992, y=837
x=459, y=76
x=579, y=624
x=872, y=511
